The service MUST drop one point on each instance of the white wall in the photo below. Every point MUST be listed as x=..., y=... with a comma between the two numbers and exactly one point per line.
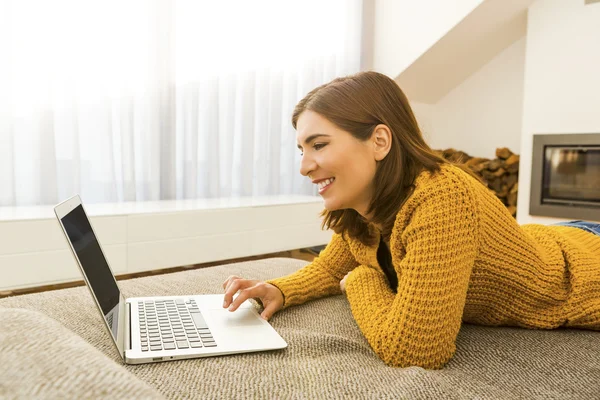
x=482, y=113
x=485, y=111
x=562, y=80
x=403, y=30
x=425, y=114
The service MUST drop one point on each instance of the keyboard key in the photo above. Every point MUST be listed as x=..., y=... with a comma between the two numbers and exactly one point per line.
x=195, y=345
x=156, y=348
x=144, y=348
x=169, y=346
x=193, y=339
x=199, y=320
x=210, y=344
x=182, y=344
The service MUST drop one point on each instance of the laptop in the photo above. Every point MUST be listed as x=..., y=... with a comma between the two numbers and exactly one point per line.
x=155, y=329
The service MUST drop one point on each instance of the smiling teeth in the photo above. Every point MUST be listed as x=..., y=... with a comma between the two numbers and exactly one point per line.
x=326, y=182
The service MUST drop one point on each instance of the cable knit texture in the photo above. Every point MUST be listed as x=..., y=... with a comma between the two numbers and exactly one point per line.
x=459, y=256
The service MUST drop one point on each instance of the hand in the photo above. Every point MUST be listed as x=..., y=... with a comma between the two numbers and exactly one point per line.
x=343, y=282
x=270, y=296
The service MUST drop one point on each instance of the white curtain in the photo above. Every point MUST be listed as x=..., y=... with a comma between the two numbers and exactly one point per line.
x=154, y=99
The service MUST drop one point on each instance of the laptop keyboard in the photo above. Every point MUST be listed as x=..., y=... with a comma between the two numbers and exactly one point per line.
x=172, y=324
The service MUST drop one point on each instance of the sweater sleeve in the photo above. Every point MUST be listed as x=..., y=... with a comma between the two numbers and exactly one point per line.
x=319, y=278
x=418, y=325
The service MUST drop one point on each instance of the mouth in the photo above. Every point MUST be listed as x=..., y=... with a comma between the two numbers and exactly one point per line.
x=325, y=184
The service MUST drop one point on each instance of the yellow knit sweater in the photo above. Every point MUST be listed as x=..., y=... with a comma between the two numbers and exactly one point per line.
x=459, y=256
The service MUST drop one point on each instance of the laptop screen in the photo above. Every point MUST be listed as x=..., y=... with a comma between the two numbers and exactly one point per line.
x=93, y=262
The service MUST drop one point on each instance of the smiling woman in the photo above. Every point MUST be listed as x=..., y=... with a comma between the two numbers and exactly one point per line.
x=420, y=244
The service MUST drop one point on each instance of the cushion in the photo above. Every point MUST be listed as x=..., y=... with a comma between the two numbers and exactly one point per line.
x=328, y=356
x=40, y=358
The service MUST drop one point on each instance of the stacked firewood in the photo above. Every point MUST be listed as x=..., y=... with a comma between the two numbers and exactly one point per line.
x=500, y=174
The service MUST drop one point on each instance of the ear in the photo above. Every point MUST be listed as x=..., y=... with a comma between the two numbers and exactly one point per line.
x=382, y=141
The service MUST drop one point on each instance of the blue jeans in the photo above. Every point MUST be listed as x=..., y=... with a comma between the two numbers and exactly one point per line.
x=591, y=227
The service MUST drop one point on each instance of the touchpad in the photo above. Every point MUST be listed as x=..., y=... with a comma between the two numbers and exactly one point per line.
x=241, y=317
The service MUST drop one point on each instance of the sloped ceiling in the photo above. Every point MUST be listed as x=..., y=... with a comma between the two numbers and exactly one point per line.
x=477, y=39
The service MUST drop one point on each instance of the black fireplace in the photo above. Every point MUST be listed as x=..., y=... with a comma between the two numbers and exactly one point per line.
x=565, y=176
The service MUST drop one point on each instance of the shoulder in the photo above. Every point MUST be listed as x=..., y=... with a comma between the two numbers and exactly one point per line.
x=439, y=198
x=448, y=182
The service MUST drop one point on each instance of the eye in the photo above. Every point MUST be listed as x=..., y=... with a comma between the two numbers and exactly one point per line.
x=319, y=146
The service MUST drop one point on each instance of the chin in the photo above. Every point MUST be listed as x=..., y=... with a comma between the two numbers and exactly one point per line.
x=333, y=206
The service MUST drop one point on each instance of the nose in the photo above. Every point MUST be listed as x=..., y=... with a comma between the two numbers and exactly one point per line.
x=307, y=165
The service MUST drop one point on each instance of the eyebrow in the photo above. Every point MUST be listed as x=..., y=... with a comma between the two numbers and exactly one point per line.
x=311, y=138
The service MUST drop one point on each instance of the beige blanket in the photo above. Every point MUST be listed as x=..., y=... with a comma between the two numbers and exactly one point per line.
x=327, y=356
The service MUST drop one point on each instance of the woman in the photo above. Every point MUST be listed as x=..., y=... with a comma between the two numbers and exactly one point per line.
x=420, y=245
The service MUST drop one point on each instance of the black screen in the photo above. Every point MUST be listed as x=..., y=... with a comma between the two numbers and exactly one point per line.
x=92, y=260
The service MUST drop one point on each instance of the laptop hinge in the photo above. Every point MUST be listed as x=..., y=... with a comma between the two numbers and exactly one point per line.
x=127, y=327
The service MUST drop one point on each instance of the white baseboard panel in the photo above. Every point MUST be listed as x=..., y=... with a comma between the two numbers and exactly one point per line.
x=25, y=270
x=139, y=237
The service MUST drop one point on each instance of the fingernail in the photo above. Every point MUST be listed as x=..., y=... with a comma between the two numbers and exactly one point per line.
x=225, y=304
x=230, y=308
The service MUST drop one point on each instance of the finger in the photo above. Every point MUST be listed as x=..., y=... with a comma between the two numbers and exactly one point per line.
x=245, y=294
x=232, y=288
x=268, y=312
x=228, y=280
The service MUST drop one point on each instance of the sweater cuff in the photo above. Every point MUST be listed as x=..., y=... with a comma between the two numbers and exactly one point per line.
x=275, y=283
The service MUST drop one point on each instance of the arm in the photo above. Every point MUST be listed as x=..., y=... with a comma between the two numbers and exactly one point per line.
x=418, y=325
x=319, y=278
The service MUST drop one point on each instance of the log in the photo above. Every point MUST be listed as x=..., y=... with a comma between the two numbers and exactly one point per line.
x=503, y=153
x=512, y=163
x=495, y=164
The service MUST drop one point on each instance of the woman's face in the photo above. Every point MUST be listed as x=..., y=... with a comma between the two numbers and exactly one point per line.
x=342, y=166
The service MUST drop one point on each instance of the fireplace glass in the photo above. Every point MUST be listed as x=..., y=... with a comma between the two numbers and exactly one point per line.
x=565, y=176
x=571, y=175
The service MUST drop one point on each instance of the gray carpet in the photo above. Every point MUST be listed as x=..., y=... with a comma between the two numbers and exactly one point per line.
x=327, y=356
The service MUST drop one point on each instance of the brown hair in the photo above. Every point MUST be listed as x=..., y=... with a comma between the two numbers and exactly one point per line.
x=357, y=104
